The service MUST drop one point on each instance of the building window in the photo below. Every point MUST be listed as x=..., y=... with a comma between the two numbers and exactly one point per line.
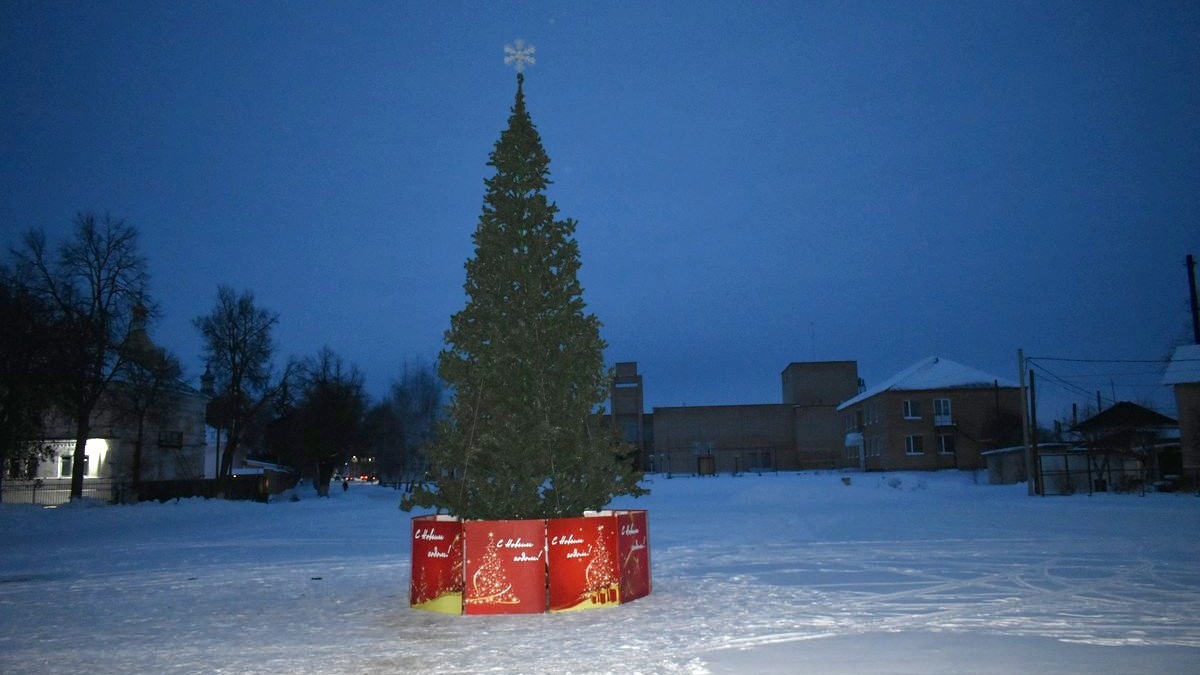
x=21, y=469
x=873, y=446
x=912, y=409
x=170, y=439
x=946, y=444
x=941, y=412
x=914, y=445
x=66, y=466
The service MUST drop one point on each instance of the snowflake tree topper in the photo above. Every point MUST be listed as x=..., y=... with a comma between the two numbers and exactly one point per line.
x=518, y=55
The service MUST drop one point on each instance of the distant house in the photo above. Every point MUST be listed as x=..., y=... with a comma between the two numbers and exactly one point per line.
x=173, y=444
x=1123, y=447
x=1183, y=375
x=935, y=414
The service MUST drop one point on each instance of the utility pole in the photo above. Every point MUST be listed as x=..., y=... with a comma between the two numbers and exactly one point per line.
x=1191, y=270
x=1025, y=423
x=1033, y=435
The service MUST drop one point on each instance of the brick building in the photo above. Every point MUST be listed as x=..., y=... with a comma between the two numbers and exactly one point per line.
x=802, y=432
x=1183, y=375
x=935, y=414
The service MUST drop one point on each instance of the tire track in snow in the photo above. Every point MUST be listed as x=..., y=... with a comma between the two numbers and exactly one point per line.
x=1110, y=597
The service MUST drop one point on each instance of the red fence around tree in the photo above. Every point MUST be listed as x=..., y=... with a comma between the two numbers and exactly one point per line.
x=529, y=566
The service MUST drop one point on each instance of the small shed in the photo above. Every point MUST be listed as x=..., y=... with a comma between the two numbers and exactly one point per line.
x=1124, y=447
x=1005, y=466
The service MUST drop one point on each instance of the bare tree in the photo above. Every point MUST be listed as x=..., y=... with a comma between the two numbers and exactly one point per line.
x=239, y=350
x=326, y=425
x=92, y=284
x=27, y=367
x=385, y=441
x=417, y=399
x=149, y=376
x=405, y=422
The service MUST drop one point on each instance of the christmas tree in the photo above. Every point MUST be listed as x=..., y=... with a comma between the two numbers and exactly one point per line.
x=525, y=361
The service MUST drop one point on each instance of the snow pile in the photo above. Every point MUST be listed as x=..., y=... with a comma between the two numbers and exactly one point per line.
x=891, y=573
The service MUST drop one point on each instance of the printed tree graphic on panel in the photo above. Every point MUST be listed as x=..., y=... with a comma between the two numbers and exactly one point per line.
x=490, y=583
x=600, y=571
x=521, y=438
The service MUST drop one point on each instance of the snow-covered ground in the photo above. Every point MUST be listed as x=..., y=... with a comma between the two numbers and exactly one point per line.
x=787, y=573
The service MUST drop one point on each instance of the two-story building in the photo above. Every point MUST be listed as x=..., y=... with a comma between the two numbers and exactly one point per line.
x=935, y=414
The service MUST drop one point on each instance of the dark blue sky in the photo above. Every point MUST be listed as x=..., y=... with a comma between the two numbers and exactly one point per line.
x=754, y=183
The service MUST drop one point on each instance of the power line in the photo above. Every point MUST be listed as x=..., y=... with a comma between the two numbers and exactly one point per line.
x=1070, y=360
x=1092, y=385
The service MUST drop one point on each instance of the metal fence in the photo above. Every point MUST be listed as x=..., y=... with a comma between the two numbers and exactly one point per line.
x=56, y=491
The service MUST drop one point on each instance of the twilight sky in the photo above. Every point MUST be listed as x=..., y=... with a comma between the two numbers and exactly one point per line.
x=755, y=183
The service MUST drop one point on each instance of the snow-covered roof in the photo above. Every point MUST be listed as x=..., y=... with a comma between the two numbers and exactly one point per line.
x=932, y=373
x=1184, y=366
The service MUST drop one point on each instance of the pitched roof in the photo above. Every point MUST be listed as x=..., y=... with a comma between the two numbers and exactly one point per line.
x=1124, y=415
x=933, y=373
x=1184, y=367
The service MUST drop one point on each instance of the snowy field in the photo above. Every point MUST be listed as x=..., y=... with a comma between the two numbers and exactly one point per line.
x=895, y=573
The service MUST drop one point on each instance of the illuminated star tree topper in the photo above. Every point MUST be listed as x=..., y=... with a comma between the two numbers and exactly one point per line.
x=519, y=55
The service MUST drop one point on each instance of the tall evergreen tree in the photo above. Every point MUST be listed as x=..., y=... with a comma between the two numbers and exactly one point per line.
x=524, y=360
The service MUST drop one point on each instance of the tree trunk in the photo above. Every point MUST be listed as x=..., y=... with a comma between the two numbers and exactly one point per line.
x=79, y=457
x=225, y=470
x=231, y=445
x=321, y=480
x=137, y=455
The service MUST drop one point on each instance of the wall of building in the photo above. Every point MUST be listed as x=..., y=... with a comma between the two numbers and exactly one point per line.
x=1187, y=399
x=819, y=383
x=804, y=432
x=626, y=402
x=819, y=438
x=744, y=437
x=885, y=430
x=173, y=443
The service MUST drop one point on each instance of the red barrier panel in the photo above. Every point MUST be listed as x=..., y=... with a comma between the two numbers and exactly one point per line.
x=505, y=568
x=633, y=550
x=528, y=566
x=583, y=562
x=437, y=564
